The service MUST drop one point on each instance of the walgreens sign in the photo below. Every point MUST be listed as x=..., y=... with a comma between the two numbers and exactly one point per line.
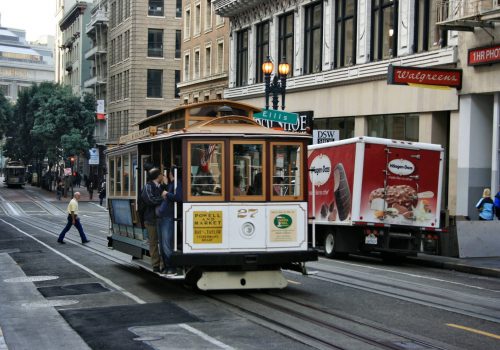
x=424, y=76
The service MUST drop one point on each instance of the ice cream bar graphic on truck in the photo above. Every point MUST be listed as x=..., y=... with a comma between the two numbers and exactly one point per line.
x=374, y=194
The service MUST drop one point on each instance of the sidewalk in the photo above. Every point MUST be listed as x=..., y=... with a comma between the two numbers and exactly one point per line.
x=489, y=267
x=51, y=196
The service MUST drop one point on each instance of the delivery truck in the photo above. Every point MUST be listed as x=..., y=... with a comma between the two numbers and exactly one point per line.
x=370, y=194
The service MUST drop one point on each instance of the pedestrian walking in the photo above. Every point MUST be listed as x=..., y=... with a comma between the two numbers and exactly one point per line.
x=496, y=203
x=73, y=220
x=102, y=192
x=485, y=206
x=59, y=190
x=152, y=195
x=90, y=189
x=165, y=214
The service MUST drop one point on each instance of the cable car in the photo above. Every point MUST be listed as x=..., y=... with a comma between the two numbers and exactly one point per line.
x=243, y=216
x=15, y=174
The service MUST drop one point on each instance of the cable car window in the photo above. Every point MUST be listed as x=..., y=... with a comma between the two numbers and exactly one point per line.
x=126, y=174
x=248, y=172
x=286, y=172
x=111, y=176
x=213, y=111
x=118, y=187
x=134, y=175
x=206, y=165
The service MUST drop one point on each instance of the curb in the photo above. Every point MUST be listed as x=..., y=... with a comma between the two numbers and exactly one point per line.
x=474, y=270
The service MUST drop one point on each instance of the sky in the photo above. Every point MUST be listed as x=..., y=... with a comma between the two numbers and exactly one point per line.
x=37, y=17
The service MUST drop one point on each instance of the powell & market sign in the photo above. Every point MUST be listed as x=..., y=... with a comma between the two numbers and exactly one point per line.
x=417, y=76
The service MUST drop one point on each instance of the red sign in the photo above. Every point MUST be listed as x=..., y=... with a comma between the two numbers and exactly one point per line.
x=483, y=55
x=101, y=116
x=424, y=76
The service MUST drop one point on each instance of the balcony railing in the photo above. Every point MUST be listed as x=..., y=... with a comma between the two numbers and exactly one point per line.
x=466, y=14
x=100, y=16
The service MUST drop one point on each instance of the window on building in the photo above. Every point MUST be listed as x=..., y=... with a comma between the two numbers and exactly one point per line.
x=126, y=84
x=127, y=8
x=112, y=52
x=4, y=89
x=197, y=19
x=196, y=63
x=208, y=61
x=384, y=29
x=177, y=44
x=155, y=42
x=242, y=58
x=176, y=82
x=187, y=24
x=345, y=126
x=208, y=14
x=155, y=8
x=152, y=112
x=120, y=86
x=219, y=20
x=154, y=88
x=285, y=39
x=427, y=34
x=113, y=89
x=313, y=40
x=220, y=57
x=112, y=18
x=345, y=29
x=21, y=88
x=186, y=68
x=120, y=11
x=127, y=44
x=178, y=8
x=394, y=126
x=125, y=124
x=119, y=49
x=262, y=49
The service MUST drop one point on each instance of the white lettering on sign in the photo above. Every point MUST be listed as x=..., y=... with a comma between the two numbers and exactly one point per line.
x=425, y=77
x=321, y=167
x=401, y=167
x=300, y=126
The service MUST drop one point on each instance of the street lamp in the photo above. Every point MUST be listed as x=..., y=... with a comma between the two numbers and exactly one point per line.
x=278, y=85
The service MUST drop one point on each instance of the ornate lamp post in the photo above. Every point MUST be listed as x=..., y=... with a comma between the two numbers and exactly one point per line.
x=278, y=84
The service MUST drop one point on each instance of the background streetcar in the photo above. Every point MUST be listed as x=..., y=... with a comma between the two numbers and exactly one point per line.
x=15, y=174
x=244, y=211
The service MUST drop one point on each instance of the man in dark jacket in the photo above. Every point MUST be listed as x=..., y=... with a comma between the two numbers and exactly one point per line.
x=152, y=195
x=165, y=214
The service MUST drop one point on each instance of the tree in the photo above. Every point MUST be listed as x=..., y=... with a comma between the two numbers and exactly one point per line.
x=51, y=122
x=5, y=113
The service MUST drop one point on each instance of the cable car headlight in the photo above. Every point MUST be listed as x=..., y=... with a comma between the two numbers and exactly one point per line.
x=247, y=230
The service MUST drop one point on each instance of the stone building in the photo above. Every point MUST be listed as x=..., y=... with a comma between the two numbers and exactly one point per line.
x=143, y=70
x=340, y=52
x=203, y=52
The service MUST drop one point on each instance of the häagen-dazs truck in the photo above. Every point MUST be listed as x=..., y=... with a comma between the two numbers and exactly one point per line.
x=374, y=195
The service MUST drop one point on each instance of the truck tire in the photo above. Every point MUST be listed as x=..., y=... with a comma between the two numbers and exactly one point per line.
x=329, y=244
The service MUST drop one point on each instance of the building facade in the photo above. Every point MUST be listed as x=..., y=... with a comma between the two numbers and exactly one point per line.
x=143, y=70
x=202, y=47
x=340, y=52
x=23, y=64
x=72, y=68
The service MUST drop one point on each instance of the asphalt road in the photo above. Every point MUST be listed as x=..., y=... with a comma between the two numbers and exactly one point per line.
x=78, y=297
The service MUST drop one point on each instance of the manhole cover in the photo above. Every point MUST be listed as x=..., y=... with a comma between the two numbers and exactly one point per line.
x=48, y=303
x=72, y=289
x=26, y=279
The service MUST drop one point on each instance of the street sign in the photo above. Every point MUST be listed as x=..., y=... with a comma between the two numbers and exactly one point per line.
x=277, y=116
x=94, y=156
x=322, y=136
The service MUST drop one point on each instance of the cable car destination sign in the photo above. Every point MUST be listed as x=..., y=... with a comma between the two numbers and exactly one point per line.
x=430, y=77
x=277, y=116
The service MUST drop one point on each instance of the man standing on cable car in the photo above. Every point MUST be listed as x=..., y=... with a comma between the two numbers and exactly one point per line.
x=152, y=195
x=165, y=214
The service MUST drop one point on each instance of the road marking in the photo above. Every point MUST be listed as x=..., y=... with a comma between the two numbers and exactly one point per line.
x=293, y=282
x=205, y=336
x=408, y=274
x=14, y=210
x=472, y=330
x=3, y=344
x=74, y=262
